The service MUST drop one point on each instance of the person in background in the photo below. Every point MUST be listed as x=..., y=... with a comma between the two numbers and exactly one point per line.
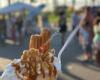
x=75, y=19
x=19, y=24
x=45, y=21
x=90, y=19
x=85, y=42
x=89, y=24
x=62, y=26
x=96, y=39
x=13, y=28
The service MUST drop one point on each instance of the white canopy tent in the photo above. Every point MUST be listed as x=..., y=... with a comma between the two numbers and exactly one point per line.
x=19, y=7
x=15, y=7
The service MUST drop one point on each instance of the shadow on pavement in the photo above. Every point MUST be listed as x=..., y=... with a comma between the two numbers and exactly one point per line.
x=90, y=65
x=13, y=51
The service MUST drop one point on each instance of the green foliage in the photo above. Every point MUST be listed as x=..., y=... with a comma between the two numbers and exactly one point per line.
x=69, y=14
x=53, y=18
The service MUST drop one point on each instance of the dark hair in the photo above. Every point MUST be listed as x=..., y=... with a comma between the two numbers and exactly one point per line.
x=85, y=23
x=97, y=21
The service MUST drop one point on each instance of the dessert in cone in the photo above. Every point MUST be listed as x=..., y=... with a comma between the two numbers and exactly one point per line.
x=37, y=62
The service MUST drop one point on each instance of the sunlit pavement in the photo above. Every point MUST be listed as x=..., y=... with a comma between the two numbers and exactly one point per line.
x=72, y=66
x=3, y=63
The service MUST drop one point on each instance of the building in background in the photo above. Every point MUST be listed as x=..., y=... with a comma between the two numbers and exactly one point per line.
x=4, y=3
x=51, y=4
x=80, y=3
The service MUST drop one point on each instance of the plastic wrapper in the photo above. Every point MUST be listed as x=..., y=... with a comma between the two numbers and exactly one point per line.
x=9, y=74
x=57, y=64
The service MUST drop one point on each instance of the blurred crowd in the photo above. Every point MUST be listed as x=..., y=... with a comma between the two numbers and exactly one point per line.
x=88, y=19
x=15, y=28
x=89, y=33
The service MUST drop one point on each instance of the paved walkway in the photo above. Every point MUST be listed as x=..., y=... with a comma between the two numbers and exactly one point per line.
x=72, y=65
